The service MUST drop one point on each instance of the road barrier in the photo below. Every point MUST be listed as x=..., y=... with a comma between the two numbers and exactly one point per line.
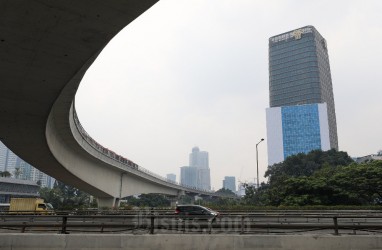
x=146, y=222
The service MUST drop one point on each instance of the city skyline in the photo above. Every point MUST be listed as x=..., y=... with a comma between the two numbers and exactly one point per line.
x=191, y=73
x=19, y=169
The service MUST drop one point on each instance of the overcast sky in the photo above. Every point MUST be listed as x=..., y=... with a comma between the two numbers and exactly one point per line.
x=195, y=73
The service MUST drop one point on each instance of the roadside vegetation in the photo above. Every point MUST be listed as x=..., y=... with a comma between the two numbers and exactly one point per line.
x=65, y=197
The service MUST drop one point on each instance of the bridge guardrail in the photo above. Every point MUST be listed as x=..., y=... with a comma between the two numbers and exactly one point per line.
x=169, y=223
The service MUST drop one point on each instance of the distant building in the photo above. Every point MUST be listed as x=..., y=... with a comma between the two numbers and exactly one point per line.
x=241, y=188
x=301, y=95
x=229, y=182
x=171, y=177
x=372, y=157
x=189, y=176
x=199, y=159
x=10, y=187
x=20, y=169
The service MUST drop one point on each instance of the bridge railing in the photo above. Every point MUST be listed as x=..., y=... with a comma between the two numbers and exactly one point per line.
x=123, y=160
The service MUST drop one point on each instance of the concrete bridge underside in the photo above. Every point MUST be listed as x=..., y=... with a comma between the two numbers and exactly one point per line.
x=45, y=49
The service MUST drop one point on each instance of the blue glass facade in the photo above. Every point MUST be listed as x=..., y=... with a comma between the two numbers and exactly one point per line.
x=300, y=129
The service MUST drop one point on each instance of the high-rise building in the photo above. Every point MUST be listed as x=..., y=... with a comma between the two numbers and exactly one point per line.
x=302, y=115
x=229, y=182
x=20, y=169
x=199, y=159
x=189, y=176
x=171, y=177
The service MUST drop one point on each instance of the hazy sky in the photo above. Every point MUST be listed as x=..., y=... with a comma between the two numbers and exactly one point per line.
x=195, y=73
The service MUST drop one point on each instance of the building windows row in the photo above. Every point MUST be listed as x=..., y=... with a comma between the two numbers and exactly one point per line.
x=295, y=75
x=298, y=59
x=299, y=99
x=278, y=70
x=307, y=82
x=289, y=53
x=301, y=79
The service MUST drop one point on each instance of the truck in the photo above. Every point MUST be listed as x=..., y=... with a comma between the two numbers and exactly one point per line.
x=29, y=205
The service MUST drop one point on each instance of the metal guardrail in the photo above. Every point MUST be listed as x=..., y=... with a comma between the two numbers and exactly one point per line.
x=150, y=222
x=114, y=156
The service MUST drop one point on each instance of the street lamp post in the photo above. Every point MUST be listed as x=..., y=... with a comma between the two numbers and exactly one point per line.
x=257, y=162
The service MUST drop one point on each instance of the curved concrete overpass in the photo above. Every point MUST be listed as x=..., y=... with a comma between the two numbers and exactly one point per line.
x=45, y=49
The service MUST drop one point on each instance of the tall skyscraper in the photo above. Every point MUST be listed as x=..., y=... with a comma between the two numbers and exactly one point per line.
x=199, y=159
x=229, y=182
x=197, y=174
x=302, y=115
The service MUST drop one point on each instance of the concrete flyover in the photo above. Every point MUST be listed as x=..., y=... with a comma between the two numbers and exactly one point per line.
x=45, y=49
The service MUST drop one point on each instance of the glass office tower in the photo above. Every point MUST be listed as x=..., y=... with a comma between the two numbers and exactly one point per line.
x=301, y=116
x=299, y=73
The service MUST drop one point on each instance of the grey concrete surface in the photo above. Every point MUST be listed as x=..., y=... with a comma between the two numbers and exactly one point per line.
x=46, y=48
x=187, y=242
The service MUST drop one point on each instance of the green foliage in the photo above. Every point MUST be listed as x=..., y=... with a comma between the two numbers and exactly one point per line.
x=225, y=191
x=219, y=202
x=319, y=179
x=149, y=200
x=17, y=172
x=306, y=164
x=5, y=174
x=65, y=197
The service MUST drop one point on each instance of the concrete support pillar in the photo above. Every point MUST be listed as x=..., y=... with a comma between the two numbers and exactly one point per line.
x=107, y=202
x=181, y=193
x=198, y=197
x=175, y=200
x=174, y=203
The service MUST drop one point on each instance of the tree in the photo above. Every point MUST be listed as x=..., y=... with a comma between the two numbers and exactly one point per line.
x=306, y=164
x=65, y=197
x=5, y=174
x=18, y=171
x=149, y=200
x=225, y=191
x=360, y=183
x=316, y=178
